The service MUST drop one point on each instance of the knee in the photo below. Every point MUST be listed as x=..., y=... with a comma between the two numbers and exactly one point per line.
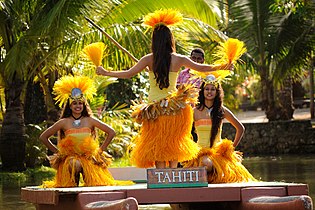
x=75, y=164
x=207, y=162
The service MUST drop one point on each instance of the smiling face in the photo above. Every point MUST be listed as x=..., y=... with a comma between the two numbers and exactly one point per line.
x=209, y=92
x=77, y=106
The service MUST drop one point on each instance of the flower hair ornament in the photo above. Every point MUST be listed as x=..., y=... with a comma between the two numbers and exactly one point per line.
x=166, y=17
x=73, y=88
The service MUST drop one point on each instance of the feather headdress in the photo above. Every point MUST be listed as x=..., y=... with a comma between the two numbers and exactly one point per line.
x=166, y=17
x=95, y=52
x=230, y=51
x=73, y=87
x=213, y=77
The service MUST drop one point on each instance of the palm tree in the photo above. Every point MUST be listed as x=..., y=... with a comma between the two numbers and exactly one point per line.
x=33, y=34
x=279, y=45
x=40, y=38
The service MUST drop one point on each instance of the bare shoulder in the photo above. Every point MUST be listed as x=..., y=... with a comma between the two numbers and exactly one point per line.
x=147, y=58
x=62, y=122
x=178, y=57
x=178, y=61
x=228, y=113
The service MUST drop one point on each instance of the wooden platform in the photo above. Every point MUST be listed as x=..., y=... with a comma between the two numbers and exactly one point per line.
x=75, y=198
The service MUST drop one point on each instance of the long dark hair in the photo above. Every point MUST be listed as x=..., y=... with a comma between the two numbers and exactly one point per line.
x=163, y=45
x=67, y=112
x=217, y=113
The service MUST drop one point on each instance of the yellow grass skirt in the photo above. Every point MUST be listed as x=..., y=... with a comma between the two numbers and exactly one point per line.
x=166, y=138
x=227, y=165
x=94, y=165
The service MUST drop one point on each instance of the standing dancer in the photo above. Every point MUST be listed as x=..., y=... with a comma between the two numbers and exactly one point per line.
x=167, y=117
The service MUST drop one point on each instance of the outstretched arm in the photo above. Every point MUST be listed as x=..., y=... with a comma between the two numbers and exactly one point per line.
x=138, y=67
x=187, y=62
x=240, y=129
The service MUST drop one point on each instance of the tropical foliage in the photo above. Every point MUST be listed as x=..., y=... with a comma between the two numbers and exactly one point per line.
x=41, y=40
x=279, y=36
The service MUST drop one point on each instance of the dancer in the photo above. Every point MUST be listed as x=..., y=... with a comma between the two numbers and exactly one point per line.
x=166, y=118
x=78, y=151
x=222, y=162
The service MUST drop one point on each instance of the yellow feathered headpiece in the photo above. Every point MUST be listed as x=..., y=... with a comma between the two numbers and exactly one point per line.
x=213, y=77
x=166, y=17
x=95, y=52
x=73, y=87
x=230, y=51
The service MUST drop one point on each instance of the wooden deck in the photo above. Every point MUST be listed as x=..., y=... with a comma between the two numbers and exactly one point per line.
x=77, y=197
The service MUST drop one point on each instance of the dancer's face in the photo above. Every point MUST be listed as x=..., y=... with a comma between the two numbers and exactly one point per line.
x=209, y=92
x=77, y=106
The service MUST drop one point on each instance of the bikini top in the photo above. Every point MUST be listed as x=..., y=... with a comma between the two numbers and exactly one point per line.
x=203, y=128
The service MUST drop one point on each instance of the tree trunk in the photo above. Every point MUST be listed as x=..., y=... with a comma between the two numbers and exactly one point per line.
x=285, y=96
x=34, y=98
x=267, y=94
x=312, y=88
x=12, y=139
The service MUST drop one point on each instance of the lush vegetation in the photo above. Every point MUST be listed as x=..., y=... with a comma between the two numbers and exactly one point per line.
x=43, y=40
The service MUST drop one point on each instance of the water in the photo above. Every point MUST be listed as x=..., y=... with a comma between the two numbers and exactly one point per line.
x=288, y=168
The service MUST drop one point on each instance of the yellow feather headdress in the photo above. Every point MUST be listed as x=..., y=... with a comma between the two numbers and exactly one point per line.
x=73, y=87
x=213, y=77
x=95, y=52
x=164, y=16
x=230, y=51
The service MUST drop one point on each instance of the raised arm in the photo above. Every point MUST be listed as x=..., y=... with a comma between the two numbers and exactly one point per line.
x=138, y=67
x=240, y=129
x=188, y=63
x=107, y=129
x=44, y=137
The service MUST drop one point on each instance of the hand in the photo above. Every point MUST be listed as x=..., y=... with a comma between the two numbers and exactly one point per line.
x=230, y=66
x=101, y=71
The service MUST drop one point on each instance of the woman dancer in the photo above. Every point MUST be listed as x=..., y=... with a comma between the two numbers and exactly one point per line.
x=222, y=162
x=78, y=151
x=166, y=118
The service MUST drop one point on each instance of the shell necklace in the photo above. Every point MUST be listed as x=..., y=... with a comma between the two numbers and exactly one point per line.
x=77, y=122
x=209, y=110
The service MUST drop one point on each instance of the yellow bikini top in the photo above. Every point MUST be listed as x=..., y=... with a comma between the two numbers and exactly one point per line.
x=78, y=141
x=203, y=128
x=79, y=133
x=155, y=93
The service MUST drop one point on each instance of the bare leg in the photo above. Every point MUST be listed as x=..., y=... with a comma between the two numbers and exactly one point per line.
x=160, y=164
x=77, y=167
x=205, y=161
x=173, y=164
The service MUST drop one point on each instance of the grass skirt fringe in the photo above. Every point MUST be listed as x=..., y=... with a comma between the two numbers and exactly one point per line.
x=227, y=165
x=167, y=138
x=94, y=165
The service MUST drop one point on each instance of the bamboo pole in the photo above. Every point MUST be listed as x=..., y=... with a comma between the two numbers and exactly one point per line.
x=112, y=39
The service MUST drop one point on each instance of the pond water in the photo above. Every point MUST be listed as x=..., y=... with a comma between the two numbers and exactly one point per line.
x=288, y=168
